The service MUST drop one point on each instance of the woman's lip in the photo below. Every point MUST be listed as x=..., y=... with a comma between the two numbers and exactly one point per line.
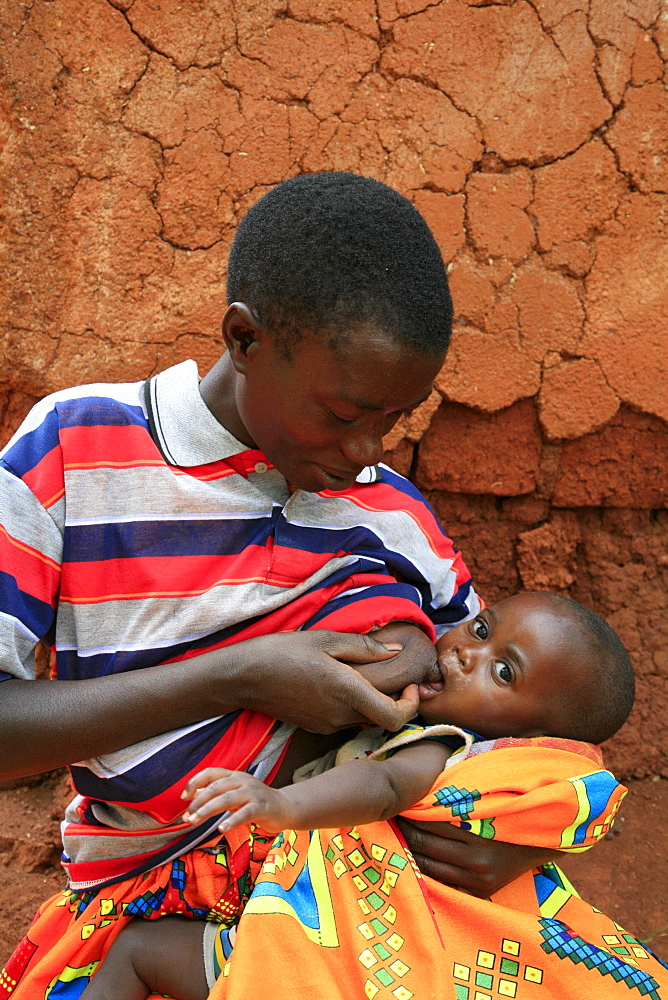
x=347, y=478
x=341, y=473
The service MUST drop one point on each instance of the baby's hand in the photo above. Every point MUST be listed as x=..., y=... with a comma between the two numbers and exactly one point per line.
x=217, y=790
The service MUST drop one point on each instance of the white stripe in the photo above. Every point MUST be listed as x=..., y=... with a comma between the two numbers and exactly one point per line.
x=19, y=626
x=212, y=515
x=112, y=764
x=154, y=622
x=127, y=647
x=399, y=533
x=127, y=393
x=155, y=491
x=26, y=520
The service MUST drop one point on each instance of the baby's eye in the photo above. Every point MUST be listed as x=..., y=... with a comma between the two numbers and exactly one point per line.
x=479, y=628
x=503, y=672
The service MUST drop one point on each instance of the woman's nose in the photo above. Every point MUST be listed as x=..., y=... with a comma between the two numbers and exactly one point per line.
x=363, y=446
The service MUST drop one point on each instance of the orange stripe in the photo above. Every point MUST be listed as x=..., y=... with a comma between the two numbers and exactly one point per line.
x=144, y=594
x=23, y=547
x=54, y=499
x=144, y=463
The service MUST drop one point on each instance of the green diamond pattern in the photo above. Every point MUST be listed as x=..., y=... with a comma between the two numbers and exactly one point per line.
x=373, y=875
x=484, y=980
x=398, y=862
x=509, y=967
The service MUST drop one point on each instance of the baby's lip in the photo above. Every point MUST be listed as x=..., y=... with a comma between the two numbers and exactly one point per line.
x=434, y=686
x=430, y=689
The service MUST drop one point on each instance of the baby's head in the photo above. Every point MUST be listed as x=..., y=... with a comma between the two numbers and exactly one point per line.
x=535, y=664
x=338, y=321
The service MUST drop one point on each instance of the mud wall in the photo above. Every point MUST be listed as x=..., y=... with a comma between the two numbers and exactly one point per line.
x=532, y=134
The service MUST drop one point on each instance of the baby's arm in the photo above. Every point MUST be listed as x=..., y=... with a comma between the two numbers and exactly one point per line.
x=360, y=791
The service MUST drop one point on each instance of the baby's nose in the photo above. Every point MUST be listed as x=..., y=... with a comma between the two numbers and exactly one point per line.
x=467, y=657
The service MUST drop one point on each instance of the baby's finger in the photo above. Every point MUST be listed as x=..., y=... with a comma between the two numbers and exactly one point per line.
x=246, y=814
x=231, y=799
x=203, y=778
x=201, y=804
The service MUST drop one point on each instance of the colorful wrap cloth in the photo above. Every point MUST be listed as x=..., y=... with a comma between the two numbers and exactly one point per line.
x=346, y=913
x=73, y=931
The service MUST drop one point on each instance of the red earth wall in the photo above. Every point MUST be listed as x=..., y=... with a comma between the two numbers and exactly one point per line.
x=533, y=136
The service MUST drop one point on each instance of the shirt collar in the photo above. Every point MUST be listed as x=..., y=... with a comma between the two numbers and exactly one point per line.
x=182, y=425
x=185, y=429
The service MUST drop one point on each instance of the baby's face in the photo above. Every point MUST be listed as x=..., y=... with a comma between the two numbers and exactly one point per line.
x=504, y=672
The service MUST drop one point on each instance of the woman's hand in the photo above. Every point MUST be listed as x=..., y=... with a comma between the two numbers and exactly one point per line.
x=416, y=662
x=307, y=679
x=466, y=861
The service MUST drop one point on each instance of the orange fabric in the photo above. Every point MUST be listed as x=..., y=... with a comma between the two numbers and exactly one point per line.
x=73, y=931
x=345, y=913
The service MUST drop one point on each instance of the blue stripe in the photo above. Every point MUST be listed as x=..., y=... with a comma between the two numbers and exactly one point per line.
x=99, y=411
x=156, y=774
x=456, y=611
x=168, y=539
x=176, y=538
x=389, y=590
x=36, y=615
x=31, y=448
x=402, y=485
x=600, y=787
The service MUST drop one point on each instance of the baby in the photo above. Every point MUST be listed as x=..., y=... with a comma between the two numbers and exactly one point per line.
x=532, y=665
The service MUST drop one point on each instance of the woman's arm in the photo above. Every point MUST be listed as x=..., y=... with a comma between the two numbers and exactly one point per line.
x=297, y=677
x=360, y=791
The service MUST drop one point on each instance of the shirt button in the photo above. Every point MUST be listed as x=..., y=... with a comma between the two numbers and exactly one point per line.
x=261, y=466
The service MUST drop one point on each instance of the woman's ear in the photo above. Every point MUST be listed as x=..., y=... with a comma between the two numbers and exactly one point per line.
x=240, y=333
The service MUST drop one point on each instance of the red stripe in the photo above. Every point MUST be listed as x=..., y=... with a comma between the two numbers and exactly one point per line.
x=129, y=446
x=34, y=572
x=95, y=871
x=236, y=750
x=46, y=478
x=374, y=612
x=122, y=446
x=143, y=577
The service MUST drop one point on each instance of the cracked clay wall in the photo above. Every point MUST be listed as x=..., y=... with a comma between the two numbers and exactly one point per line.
x=532, y=134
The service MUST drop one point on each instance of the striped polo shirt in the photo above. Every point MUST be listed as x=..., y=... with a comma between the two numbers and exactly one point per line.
x=136, y=530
